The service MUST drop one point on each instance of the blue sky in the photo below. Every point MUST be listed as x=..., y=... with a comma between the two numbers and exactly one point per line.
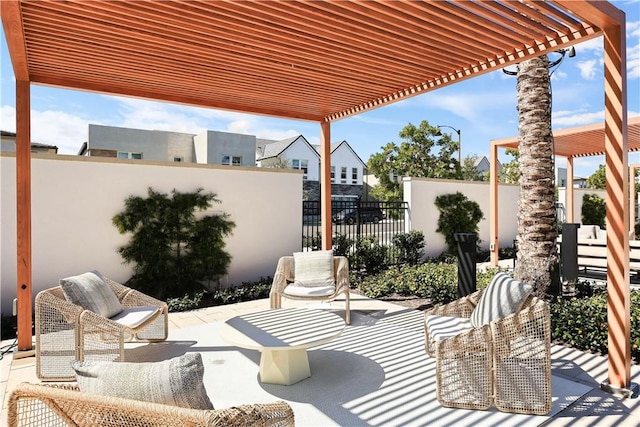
x=483, y=108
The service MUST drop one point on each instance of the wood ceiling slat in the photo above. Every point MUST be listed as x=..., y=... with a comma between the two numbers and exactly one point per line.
x=262, y=45
x=14, y=33
x=348, y=56
x=124, y=55
x=437, y=48
x=530, y=11
x=244, y=60
x=317, y=28
x=159, y=74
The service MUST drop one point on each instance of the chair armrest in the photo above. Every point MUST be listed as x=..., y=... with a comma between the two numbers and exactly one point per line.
x=135, y=298
x=341, y=267
x=36, y=405
x=282, y=273
x=476, y=340
x=461, y=307
x=49, y=301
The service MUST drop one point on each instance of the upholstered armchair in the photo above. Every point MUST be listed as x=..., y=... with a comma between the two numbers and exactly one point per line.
x=90, y=317
x=492, y=348
x=311, y=276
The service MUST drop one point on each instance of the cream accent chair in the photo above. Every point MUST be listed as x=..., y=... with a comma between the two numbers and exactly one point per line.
x=505, y=362
x=64, y=405
x=284, y=277
x=66, y=332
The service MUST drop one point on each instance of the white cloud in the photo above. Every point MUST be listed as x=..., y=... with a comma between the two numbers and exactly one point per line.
x=575, y=118
x=590, y=46
x=633, y=29
x=587, y=69
x=633, y=61
x=471, y=106
x=64, y=130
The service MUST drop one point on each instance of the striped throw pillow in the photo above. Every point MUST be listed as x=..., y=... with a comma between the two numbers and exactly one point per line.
x=503, y=297
x=90, y=292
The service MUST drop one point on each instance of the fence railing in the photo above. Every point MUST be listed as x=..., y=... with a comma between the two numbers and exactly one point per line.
x=354, y=220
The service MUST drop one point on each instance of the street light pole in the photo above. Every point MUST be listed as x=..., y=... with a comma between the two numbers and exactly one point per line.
x=459, y=142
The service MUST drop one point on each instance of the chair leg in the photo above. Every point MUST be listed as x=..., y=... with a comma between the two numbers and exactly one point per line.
x=347, y=315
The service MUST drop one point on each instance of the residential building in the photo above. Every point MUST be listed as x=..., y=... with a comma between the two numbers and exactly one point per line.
x=8, y=143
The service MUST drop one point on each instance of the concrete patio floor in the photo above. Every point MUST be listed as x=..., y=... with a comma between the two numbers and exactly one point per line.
x=576, y=374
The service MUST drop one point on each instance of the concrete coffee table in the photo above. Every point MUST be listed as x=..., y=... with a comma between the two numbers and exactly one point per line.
x=283, y=336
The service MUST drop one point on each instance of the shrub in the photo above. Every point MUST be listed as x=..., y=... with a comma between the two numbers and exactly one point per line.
x=581, y=322
x=458, y=214
x=342, y=245
x=370, y=255
x=248, y=291
x=409, y=247
x=173, y=252
x=593, y=210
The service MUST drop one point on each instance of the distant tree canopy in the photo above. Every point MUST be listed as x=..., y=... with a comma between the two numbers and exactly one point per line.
x=598, y=179
x=424, y=152
x=469, y=171
x=510, y=171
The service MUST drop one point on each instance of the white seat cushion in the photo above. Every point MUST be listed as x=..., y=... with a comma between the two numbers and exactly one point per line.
x=296, y=290
x=443, y=327
x=504, y=296
x=135, y=316
x=313, y=268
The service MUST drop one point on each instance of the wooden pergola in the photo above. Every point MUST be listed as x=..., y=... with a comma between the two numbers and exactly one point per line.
x=309, y=60
x=572, y=143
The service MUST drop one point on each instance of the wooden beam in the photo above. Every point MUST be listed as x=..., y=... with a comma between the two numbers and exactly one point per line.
x=325, y=185
x=14, y=34
x=569, y=192
x=632, y=200
x=493, y=203
x=23, y=213
x=616, y=160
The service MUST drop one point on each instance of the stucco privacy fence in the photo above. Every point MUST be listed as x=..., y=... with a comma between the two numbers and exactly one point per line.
x=74, y=199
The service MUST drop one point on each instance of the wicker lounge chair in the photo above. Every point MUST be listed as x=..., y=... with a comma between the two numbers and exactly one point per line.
x=63, y=405
x=284, y=277
x=66, y=332
x=506, y=363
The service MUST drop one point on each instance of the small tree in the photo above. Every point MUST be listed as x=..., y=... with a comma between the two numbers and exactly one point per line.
x=598, y=179
x=173, y=252
x=593, y=210
x=458, y=214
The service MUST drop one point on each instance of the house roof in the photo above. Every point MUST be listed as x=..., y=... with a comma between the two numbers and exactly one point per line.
x=313, y=60
x=267, y=148
x=582, y=141
x=335, y=145
x=6, y=133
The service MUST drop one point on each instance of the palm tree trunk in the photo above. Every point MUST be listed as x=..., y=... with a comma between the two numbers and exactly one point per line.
x=537, y=260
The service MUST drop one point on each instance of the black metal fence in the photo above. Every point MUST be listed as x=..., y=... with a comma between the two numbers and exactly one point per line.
x=354, y=220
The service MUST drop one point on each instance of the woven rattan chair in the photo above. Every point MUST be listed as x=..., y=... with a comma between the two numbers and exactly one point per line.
x=56, y=405
x=506, y=363
x=66, y=332
x=284, y=276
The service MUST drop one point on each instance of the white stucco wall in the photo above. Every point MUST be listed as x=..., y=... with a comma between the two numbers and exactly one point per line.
x=421, y=193
x=74, y=199
x=578, y=194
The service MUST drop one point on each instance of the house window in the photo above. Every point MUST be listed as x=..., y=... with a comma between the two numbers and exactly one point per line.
x=303, y=165
x=333, y=174
x=354, y=175
x=343, y=175
x=129, y=155
x=231, y=160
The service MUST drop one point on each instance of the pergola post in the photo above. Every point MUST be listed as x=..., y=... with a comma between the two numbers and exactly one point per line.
x=493, y=203
x=617, y=190
x=632, y=200
x=23, y=213
x=325, y=184
x=569, y=192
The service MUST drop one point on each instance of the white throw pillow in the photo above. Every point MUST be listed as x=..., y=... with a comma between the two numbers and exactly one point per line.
x=176, y=382
x=90, y=292
x=313, y=268
x=503, y=296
